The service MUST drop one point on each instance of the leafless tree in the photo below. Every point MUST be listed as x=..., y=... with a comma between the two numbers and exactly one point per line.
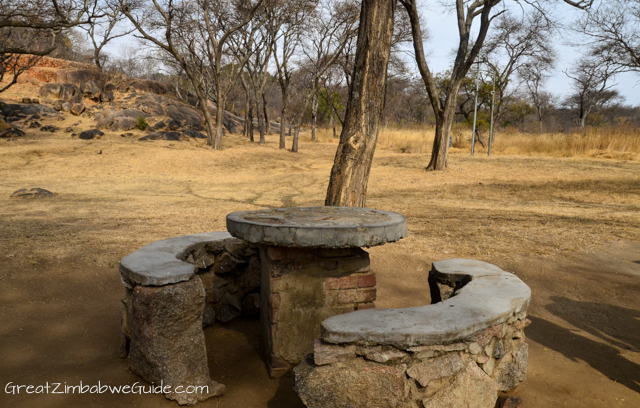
x=613, y=29
x=287, y=23
x=257, y=76
x=328, y=32
x=103, y=30
x=197, y=35
x=592, y=86
x=534, y=75
x=467, y=11
x=515, y=43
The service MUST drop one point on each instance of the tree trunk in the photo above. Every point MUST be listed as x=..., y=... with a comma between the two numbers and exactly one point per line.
x=259, y=114
x=352, y=164
x=314, y=117
x=283, y=118
x=267, y=124
x=332, y=123
x=217, y=141
x=294, y=145
x=250, y=124
x=444, y=121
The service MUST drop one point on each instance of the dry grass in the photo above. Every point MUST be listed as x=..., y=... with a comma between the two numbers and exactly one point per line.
x=611, y=142
x=110, y=204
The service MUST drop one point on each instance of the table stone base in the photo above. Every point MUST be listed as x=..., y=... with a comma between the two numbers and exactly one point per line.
x=300, y=288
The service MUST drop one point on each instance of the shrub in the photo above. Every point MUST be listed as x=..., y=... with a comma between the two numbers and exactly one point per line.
x=141, y=123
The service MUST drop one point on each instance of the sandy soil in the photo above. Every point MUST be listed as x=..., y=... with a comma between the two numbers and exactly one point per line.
x=570, y=228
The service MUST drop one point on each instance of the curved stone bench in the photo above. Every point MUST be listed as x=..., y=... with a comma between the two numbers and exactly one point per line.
x=457, y=352
x=164, y=307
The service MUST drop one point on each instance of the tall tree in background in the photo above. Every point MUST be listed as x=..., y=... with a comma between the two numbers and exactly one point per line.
x=592, y=86
x=534, y=75
x=514, y=44
x=105, y=29
x=287, y=21
x=330, y=28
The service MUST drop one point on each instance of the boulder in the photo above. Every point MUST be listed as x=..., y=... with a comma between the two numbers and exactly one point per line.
x=174, y=125
x=11, y=133
x=49, y=128
x=32, y=193
x=26, y=100
x=77, y=109
x=110, y=87
x=123, y=123
x=194, y=134
x=147, y=85
x=153, y=136
x=90, y=134
x=167, y=342
x=175, y=136
x=52, y=91
x=90, y=90
x=68, y=91
x=66, y=106
x=107, y=96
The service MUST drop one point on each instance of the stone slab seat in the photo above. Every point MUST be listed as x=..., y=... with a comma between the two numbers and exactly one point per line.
x=159, y=263
x=490, y=298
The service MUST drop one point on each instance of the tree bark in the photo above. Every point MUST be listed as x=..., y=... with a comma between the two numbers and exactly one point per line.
x=296, y=135
x=314, y=117
x=283, y=117
x=352, y=165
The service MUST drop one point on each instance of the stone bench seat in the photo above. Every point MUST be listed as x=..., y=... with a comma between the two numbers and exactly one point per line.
x=161, y=263
x=162, y=314
x=457, y=352
x=490, y=297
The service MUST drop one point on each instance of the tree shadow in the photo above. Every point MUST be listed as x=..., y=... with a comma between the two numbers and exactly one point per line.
x=614, y=324
x=600, y=356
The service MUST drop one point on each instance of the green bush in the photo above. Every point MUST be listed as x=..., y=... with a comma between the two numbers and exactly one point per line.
x=141, y=123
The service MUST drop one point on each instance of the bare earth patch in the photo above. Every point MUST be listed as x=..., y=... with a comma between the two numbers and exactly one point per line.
x=569, y=227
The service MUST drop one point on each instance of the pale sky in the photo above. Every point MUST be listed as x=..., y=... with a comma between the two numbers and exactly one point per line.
x=443, y=38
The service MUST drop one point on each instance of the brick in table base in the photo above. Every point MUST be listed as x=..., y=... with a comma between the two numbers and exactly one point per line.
x=300, y=288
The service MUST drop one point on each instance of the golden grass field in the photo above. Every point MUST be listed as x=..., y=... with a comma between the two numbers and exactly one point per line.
x=560, y=211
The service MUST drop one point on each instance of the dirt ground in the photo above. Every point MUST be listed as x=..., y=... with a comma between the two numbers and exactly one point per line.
x=570, y=228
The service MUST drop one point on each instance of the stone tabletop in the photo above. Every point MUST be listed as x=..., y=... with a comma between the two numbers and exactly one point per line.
x=323, y=227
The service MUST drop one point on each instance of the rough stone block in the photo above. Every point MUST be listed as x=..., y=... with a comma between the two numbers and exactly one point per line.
x=381, y=354
x=471, y=389
x=326, y=353
x=512, y=368
x=359, y=384
x=436, y=368
x=167, y=342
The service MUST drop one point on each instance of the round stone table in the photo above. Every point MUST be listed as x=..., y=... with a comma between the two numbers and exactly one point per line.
x=313, y=267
